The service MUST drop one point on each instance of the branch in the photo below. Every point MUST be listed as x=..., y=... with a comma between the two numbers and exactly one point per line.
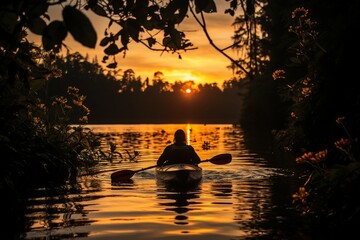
x=202, y=23
x=231, y=46
x=163, y=49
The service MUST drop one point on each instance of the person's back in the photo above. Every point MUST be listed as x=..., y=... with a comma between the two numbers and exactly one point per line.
x=178, y=152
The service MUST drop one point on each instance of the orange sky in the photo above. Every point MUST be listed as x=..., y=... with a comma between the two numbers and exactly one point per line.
x=204, y=65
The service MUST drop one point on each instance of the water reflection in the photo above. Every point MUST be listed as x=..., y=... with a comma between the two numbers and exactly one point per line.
x=179, y=199
x=221, y=190
x=52, y=211
x=123, y=184
x=246, y=199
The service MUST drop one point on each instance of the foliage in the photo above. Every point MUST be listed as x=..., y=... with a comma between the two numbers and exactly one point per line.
x=322, y=99
x=330, y=191
x=36, y=137
x=262, y=42
x=37, y=142
x=318, y=85
x=128, y=98
x=138, y=21
x=25, y=68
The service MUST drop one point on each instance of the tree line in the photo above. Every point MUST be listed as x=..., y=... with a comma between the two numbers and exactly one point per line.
x=129, y=99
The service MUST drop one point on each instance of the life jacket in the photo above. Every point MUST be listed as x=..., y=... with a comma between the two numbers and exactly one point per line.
x=179, y=154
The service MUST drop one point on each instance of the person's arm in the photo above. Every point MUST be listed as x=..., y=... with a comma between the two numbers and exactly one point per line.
x=194, y=156
x=163, y=157
x=161, y=160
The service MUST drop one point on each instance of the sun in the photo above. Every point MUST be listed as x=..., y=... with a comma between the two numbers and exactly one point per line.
x=188, y=90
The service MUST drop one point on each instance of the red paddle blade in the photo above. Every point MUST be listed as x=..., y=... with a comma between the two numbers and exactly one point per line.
x=220, y=159
x=122, y=175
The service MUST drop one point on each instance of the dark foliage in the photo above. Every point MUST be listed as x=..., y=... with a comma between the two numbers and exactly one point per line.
x=131, y=100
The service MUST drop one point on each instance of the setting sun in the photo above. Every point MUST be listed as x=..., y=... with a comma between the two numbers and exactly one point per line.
x=188, y=90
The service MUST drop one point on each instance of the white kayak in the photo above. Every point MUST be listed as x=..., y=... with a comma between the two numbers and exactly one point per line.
x=179, y=174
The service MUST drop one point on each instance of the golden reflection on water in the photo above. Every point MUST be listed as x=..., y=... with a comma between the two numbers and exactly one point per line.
x=188, y=134
x=226, y=204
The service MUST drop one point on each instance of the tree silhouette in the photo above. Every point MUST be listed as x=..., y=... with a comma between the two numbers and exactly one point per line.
x=129, y=100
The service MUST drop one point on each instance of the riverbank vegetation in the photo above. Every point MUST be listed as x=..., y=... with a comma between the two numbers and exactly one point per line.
x=323, y=125
x=297, y=69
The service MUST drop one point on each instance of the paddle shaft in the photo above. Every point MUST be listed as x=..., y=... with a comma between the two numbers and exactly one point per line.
x=154, y=166
x=127, y=174
x=143, y=169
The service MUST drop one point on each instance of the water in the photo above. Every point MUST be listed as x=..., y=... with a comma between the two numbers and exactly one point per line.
x=247, y=198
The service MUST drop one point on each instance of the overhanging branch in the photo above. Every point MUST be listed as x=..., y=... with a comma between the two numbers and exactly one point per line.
x=202, y=24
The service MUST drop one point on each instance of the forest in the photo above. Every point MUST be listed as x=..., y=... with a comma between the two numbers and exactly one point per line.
x=133, y=100
x=298, y=64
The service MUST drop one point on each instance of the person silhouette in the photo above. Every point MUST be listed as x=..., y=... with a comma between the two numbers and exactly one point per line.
x=178, y=152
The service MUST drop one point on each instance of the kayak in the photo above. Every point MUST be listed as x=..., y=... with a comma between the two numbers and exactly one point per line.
x=176, y=173
x=179, y=174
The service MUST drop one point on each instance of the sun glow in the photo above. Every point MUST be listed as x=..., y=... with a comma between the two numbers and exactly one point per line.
x=188, y=90
x=180, y=75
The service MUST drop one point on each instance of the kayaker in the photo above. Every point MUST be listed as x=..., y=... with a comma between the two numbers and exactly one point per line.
x=178, y=152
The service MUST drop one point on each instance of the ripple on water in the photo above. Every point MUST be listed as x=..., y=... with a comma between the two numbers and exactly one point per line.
x=245, y=174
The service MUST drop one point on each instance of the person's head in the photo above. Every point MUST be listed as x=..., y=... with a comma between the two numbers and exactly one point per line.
x=179, y=136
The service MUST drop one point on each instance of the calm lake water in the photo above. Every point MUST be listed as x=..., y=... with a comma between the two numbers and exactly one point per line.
x=249, y=198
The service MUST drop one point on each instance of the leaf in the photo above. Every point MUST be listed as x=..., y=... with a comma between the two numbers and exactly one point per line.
x=133, y=28
x=125, y=38
x=187, y=44
x=47, y=43
x=112, y=49
x=233, y=4
x=183, y=10
x=176, y=39
x=39, y=10
x=207, y=6
x=105, y=58
x=80, y=27
x=53, y=35
x=37, y=25
x=140, y=10
x=154, y=22
x=149, y=24
x=105, y=41
x=112, y=65
x=230, y=11
x=98, y=10
x=151, y=41
x=167, y=42
x=210, y=7
x=117, y=6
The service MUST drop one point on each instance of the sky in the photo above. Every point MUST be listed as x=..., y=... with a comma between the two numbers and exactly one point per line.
x=203, y=65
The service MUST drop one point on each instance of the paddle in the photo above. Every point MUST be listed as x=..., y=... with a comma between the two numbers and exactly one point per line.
x=124, y=175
